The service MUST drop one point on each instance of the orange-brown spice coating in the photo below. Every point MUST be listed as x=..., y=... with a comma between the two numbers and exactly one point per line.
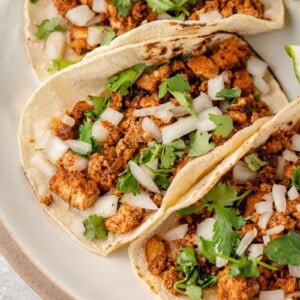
x=203, y=66
x=170, y=277
x=77, y=39
x=68, y=161
x=63, y=6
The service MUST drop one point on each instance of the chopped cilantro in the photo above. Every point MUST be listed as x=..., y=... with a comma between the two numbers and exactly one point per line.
x=85, y=135
x=128, y=184
x=100, y=104
x=122, y=81
x=48, y=26
x=162, y=181
x=109, y=35
x=230, y=94
x=224, y=124
x=200, y=144
x=94, y=228
x=123, y=6
x=253, y=162
x=206, y=249
x=33, y=1
x=59, y=64
x=296, y=178
x=178, y=87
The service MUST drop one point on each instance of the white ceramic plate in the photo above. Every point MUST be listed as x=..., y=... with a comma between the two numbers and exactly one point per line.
x=80, y=273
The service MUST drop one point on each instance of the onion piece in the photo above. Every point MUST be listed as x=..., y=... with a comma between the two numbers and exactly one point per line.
x=266, y=239
x=293, y=193
x=93, y=21
x=221, y=262
x=210, y=16
x=290, y=155
x=80, y=15
x=295, y=142
x=241, y=173
x=143, y=178
x=278, y=192
x=150, y=126
x=294, y=271
x=256, y=250
x=150, y=111
x=43, y=165
x=79, y=146
x=99, y=6
x=55, y=45
x=99, y=132
x=261, y=85
x=95, y=35
x=268, y=197
x=164, y=16
x=281, y=163
x=178, y=111
x=274, y=230
x=214, y=86
x=264, y=219
x=105, y=206
x=298, y=207
x=256, y=67
x=205, y=228
x=246, y=241
x=202, y=102
x=164, y=115
x=66, y=119
x=263, y=207
x=225, y=76
x=176, y=233
x=80, y=164
x=274, y=295
x=178, y=129
x=56, y=149
x=205, y=124
x=111, y=115
x=142, y=200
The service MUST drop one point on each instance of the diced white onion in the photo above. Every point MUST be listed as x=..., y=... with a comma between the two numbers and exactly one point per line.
x=221, y=262
x=268, y=197
x=142, y=200
x=178, y=111
x=274, y=230
x=202, y=102
x=256, y=250
x=264, y=219
x=67, y=120
x=99, y=132
x=294, y=271
x=263, y=206
x=214, y=86
x=99, y=6
x=165, y=106
x=150, y=126
x=290, y=155
x=80, y=15
x=143, y=178
x=81, y=164
x=178, y=129
x=246, y=241
x=281, y=163
x=176, y=233
x=79, y=146
x=272, y=295
x=164, y=16
x=93, y=21
x=261, y=85
x=205, y=228
x=295, y=142
x=293, y=193
x=298, y=207
x=105, y=206
x=95, y=35
x=266, y=239
x=256, y=67
x=150, y=111
x=225, y=76
x=111, y=115
x=164, y=115
x=43, y=165
x=278, y=192
x=204, y=123
x=149, y=166
x=56, y=149
x=241, y=173
x=55, y=45
x=210, y=16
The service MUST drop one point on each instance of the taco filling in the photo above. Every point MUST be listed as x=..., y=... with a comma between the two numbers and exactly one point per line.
x=114, y=156
x=243, y=237
x=92, y=23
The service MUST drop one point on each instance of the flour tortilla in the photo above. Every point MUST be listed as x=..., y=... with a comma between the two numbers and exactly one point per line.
x=60, y=93
x=287, y=118
x=240, y=23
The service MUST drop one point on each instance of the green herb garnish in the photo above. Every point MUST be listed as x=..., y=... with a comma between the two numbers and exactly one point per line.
x=224, y=124
x=127, y=183
x=94, y=228
x=296, y=178
x=254, y=163
x=200, y=144
x=48, y=26
x=59, y=64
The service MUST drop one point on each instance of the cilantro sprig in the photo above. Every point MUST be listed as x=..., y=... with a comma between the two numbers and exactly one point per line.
x=230, y=94
x=94, y=228
x=60, y=64
x=254, y=163
x=224, y=124
x=127, y=183
x=48, y=26
x=109, y=35
x=123, y=6
x=85, y=135
x=200, y=144
x=100, y=104
x=296, y=178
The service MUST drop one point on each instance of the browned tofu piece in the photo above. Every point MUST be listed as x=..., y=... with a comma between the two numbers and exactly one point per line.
x=77, y=39
x=243, y=80
x=289, y=285
x=69, y=161
x=203, y=66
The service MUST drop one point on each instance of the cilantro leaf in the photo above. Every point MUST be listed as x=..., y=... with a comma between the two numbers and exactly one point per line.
x=244, y=267
x=224, y=124
x=128, y=184
x=33, y=1
x=254, y=163
x=206, y=249
x=122, y=81
x=100, y=104
x=190, y=210
x=186, y=260
x=59, y=64
x=296, y=178
x=194, y=292
x=109, y=35
x=199, y=144
x=162, y=181
x=123, y=6
x=230, y=93
x=94, y=228
x=168, y=157
x=48, y=26
x=85, y=135
x=161, y=6
x=285, y=250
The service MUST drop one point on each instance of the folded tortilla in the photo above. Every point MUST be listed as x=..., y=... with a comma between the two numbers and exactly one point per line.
x=36, y=13
x=59, y=93
x=286, y=119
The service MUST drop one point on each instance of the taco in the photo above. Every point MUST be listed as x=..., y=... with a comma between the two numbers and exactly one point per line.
x=234, y=235
x=60, y=32
x=113, y=142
